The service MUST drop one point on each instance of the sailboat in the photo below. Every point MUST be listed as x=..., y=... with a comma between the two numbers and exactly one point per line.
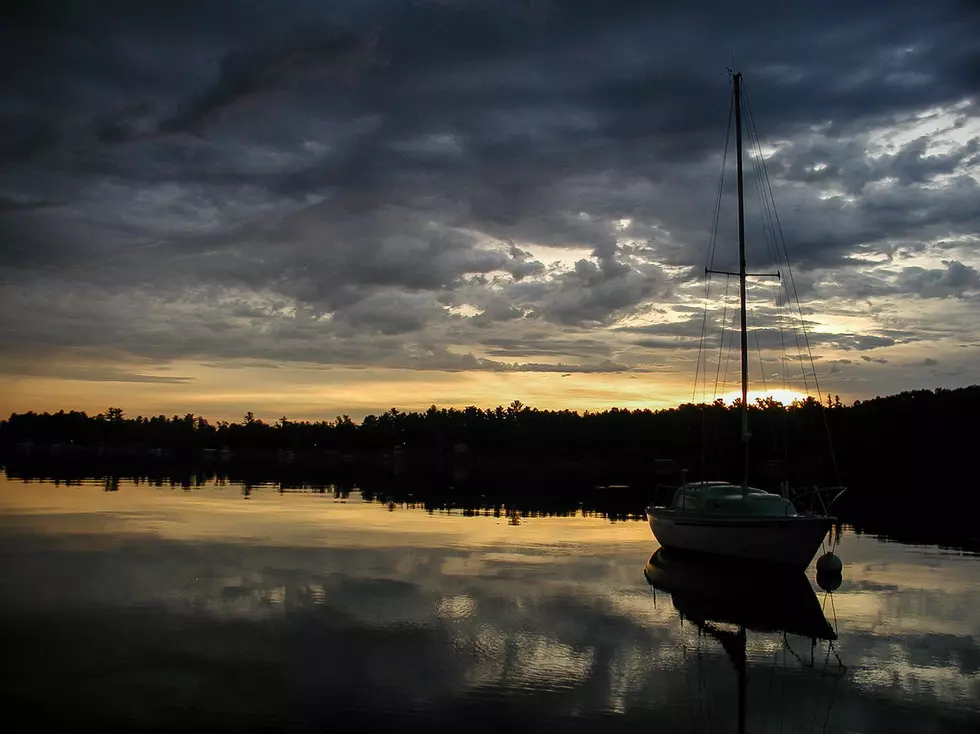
x=737, y=520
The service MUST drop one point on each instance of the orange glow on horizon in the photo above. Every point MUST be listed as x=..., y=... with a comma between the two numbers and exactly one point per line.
x=221, y=393
x=786, y=397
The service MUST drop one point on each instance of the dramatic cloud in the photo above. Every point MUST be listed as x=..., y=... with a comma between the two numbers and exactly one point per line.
x=956, y=279
x=517, y=187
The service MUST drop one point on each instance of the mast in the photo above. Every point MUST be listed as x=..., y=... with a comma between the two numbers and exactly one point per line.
x=741, y=282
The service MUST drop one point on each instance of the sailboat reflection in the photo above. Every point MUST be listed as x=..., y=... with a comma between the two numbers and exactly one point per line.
x=716, y=596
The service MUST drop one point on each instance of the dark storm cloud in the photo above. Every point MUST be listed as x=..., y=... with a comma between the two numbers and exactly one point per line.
x=955, y=279
x=20, y=142
x=323, y=53
x=687, y=335
x=847, y=163
x=98, y=373
x=534, y=343
x=338, y=182
x=15, y=205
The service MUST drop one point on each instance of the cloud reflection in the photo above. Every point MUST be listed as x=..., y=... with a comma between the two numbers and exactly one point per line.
x=549, y=622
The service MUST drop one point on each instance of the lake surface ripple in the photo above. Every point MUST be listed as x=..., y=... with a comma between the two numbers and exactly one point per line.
x=244, y=608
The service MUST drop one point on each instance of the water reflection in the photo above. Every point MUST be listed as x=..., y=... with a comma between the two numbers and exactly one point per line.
x=759, y=597
x=725, y=601
x=160, y=608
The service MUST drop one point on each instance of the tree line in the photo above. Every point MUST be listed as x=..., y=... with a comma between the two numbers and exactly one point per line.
x=914, y=436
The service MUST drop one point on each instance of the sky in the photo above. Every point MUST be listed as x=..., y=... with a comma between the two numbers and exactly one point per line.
x=315, y=208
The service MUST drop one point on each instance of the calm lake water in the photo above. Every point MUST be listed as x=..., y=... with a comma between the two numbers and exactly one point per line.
x=158, y=607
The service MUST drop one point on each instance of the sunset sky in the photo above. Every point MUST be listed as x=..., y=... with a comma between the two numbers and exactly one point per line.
x=312, y=208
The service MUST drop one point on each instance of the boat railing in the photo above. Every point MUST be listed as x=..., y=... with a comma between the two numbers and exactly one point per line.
x=819, y=492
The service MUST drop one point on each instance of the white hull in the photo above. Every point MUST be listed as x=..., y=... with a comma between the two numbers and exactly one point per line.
x=791, y=541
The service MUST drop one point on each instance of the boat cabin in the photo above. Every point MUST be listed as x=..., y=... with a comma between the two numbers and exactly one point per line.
x=723, y=498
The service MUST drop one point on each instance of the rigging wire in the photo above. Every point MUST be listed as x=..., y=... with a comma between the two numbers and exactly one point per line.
x=768, y=231
x=782, y=340
x=765, y=205
x=706, y=689
x=832, y=698
x=766, y=208
x=758, y=349
x=724, y=378
x=731, y=348
x=710, y=259
x=721, y=342
x=772, y=219
x=687, y=684
x=782, y=242
x=792, y=280
x=772, y=253
x=772, y=679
